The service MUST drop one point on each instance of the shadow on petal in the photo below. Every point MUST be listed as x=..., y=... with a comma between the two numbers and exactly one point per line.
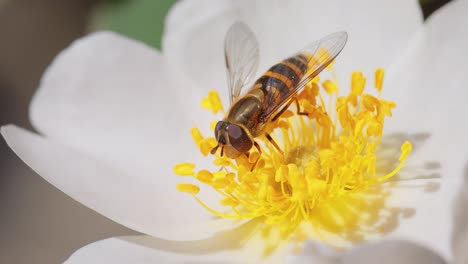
x=460, y=230
x=365, y=214
x=386, y=252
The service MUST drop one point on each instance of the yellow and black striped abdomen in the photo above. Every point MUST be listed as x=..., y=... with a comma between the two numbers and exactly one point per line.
x=281, y=79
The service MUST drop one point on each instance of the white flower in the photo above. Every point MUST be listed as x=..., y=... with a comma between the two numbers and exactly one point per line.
x=113, y=115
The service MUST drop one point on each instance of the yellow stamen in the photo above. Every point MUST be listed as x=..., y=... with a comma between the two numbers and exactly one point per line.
x=212, y=102
x=358, y=82
x=378, y=79
x=184, y=169
x=188, y=188
x=197, y=136
x=326, y=176
x=330, y=87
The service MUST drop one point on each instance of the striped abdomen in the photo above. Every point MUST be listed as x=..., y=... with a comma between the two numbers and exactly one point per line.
x=281, y=79
x=271, y=90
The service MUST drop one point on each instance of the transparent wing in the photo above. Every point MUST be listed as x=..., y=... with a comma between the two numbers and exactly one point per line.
x=242, y=55
x=318, y=56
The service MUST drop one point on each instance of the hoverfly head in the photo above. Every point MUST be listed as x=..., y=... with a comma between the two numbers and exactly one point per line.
x=232, y=138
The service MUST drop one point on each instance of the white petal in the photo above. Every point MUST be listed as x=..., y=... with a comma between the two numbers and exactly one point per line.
x=146, y=203
x=379, y=31
x=389, y=252
x=145, y=249
x=314, y=252
x=434, y=70
x=460, y=229
x=425, y=205
x=428, y=86
x=461, y=256
x=114, y=98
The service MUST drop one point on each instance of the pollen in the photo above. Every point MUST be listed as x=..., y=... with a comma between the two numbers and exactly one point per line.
x=184, y=169
x=325, y=182
x=188, y=188
x=212, y=102
x=379, y=75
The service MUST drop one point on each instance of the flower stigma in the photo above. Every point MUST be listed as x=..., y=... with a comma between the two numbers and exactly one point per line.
x=325, y=183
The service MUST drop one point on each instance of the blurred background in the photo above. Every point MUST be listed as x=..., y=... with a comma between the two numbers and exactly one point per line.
x=38, y=223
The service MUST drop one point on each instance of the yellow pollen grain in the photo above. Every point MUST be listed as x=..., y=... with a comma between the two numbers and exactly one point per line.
x=184, y=169
x=197, y=136
x=213, y=125
x=228, y=202
x=204, y=176
x=206, y=145
x=378, y=79
x=358, y=82
x=212, y=102
x=330, y=87
x=222, y=161
x=188, y=188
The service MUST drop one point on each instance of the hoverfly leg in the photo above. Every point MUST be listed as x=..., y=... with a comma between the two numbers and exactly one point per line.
x=298, y=108
x=272, y=141
x=258, y=148
x=259, y=156
x=282, y=111
x=223, y=168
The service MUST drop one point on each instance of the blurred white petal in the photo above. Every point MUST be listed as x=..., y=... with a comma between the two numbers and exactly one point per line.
x=385, y=252
x=389, y=252
x=110, y=99
x=460, y=229
x=428, y=87
x=114, y=98
x=379, y=32
x=138, y=249
x=146, y=203
x=425, y=216
x=314, y=252
x=145, y=249
x=433, y=72
x=461, y=255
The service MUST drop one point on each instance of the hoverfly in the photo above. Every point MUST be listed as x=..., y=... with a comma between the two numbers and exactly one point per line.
x=272, y=93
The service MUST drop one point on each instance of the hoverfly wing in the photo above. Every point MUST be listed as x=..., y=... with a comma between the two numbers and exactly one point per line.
x=242, y=56
x=316, y=57
x=325, y=51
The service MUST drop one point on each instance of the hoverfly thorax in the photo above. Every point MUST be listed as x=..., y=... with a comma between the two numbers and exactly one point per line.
x=232, y=138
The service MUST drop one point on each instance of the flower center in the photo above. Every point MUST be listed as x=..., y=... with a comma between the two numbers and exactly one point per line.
x=302, y=155
x=325, y=177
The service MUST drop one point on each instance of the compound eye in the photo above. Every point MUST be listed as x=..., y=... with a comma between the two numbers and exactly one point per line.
x=235, y=132
x=218, y=126
x=239, y=139
x=217, y=132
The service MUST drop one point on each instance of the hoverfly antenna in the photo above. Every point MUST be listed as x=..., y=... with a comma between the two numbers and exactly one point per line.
x=213, y=151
